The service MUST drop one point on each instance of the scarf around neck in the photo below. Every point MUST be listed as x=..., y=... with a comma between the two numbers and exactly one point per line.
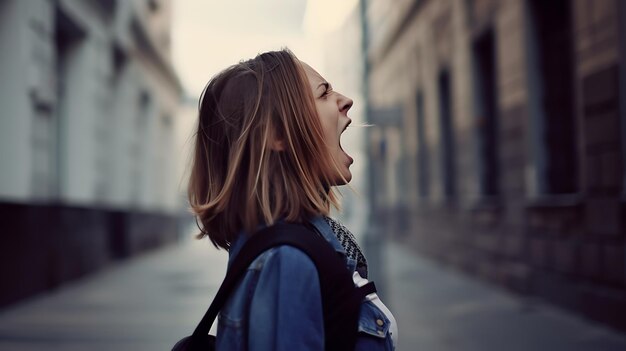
x=348, y=241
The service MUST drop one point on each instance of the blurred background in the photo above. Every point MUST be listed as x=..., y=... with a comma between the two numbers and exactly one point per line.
x=489, y=194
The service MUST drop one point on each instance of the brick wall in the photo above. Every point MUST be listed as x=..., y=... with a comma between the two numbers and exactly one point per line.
x=567, y=248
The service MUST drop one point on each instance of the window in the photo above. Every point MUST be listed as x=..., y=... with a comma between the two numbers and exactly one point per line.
x=68, y=40
x=446, y=136
x=423, y=167
x=485, y=112
x=551, y=98
x=622, y=89
x=153, y=5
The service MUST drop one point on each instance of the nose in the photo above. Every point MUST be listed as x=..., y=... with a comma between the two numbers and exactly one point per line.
x=345, y=103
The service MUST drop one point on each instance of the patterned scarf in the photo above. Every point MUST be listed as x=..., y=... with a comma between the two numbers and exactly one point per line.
x=348, y=241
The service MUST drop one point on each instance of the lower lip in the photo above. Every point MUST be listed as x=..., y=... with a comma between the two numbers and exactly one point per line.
x=349, y=157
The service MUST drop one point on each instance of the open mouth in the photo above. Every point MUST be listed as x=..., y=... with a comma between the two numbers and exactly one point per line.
x=341, y=147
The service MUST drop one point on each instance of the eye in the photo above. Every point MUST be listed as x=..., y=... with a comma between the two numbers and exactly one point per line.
x=327, y=90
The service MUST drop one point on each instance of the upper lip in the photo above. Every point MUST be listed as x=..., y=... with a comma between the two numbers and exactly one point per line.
x=346, y=126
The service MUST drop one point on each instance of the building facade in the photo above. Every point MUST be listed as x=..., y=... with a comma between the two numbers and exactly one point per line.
x=88, y=170
x=500, y=141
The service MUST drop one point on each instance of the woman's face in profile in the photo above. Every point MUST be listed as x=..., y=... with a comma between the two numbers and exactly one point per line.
x=332, y=110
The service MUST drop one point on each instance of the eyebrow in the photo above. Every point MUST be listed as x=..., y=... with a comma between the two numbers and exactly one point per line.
x=326, y=85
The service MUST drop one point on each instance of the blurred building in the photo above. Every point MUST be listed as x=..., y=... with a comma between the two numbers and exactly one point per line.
x=500, y=141
x=88, y=170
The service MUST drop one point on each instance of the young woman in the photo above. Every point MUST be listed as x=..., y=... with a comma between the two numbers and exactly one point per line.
x=268, y=149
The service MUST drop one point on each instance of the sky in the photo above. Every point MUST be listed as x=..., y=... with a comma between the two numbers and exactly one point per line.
x=210, y=35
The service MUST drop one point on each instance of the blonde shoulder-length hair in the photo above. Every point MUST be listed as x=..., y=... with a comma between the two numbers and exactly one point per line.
x=238, y=179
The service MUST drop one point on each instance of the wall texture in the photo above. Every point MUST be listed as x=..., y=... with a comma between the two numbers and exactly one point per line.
x=88, y=170
x=530, y=195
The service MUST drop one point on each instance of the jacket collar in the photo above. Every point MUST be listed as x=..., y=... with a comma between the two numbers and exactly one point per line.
x=323, y=228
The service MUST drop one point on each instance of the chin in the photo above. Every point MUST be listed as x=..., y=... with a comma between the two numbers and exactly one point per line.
x=347, y=177
x=340, y=181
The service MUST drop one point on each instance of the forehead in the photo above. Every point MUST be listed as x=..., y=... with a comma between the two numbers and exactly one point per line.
x=314, y=77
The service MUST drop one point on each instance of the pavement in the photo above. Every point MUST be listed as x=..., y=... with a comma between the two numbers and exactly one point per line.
x=149, y=302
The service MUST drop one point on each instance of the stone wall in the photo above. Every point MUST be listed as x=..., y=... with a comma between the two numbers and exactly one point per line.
x=567, y=247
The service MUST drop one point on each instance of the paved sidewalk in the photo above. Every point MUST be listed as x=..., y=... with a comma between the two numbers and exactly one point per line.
x=146, y=303
x=150, y=302
x=441, y=309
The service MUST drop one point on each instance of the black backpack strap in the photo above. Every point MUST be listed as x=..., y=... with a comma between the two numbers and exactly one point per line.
x=340, y=300
x=367, y=289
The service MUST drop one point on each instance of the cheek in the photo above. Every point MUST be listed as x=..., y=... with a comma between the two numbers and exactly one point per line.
x=328, y=132
x=329, y=123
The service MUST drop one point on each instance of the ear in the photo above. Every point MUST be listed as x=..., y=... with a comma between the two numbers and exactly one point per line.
x=277, y=145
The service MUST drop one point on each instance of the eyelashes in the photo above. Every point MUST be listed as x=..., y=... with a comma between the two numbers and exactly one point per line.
x=327, y=90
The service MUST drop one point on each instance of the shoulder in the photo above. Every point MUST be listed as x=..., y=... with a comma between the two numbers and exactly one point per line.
x=288, y=259
x=287, y=274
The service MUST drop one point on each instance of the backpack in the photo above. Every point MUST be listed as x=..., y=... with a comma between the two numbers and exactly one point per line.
x=341, y=299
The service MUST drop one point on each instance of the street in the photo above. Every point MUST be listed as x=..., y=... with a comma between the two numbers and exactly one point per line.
x=150, y=302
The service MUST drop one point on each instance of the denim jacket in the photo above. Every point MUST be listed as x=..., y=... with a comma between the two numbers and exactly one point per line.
x=278, y=304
